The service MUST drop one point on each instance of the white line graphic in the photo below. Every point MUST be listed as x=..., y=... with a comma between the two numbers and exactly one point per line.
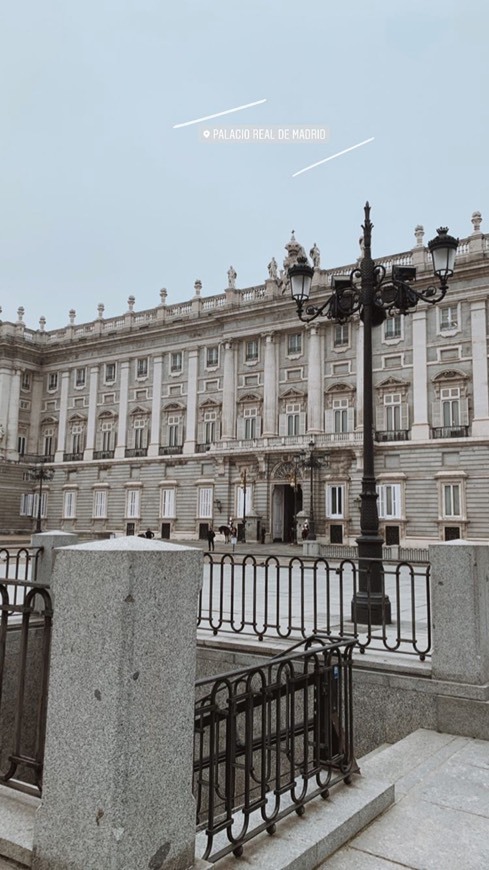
x=313, y=165
x=219, y=114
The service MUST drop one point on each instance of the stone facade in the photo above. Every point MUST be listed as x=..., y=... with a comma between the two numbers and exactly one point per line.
x=152, y=418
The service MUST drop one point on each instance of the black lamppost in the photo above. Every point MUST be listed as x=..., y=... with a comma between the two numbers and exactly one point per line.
x=243, y=481
x=297, y=463
x=312, y=463
x=40, y=473
x=370, y=292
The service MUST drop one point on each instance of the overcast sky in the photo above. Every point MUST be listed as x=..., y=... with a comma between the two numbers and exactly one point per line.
x=101, y=197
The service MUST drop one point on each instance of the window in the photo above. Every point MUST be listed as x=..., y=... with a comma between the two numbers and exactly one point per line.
x=168, y=503
x=132, y=504
x=340, y=415
x=69, y=504
x=26, y=503
x=173, y=426
x=241, y=510
x=176, y=361
x=212, y=357
x=389, y=501
x=52, y=381
x=106, y=430
x=341, y=335
x=448, y=318
x=250, y=423
x=451, y=500
x=142, y=367
x=392, y=404
x=139, y=433
x=335, y=496
x=393, y=327
x=77, y=438
x=26, y=380
x=21, y=444
x=210, y=427
x=99, y=504
x=48, y=442
x=205, y=502
x=251, y=353
x=109, y=373
x=293, y=418
x=294, y=343
x=80, y=377
x=450, y=406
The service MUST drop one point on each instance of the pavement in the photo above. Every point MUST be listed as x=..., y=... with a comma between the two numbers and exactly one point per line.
x=435, y=814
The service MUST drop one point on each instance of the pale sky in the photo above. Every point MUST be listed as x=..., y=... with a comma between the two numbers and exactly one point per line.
x=102, y=198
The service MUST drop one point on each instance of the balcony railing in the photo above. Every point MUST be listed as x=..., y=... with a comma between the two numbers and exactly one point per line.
x=392, y=435
x=268, y=740
x=103, y=454
x=450, y=432
x=170, y=450
x=72, y=457
x=135, y=451
x=203, y=448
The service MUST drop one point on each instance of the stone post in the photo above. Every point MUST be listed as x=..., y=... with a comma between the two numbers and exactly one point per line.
x=119, y=745
x=460, y=602
x=50, y=542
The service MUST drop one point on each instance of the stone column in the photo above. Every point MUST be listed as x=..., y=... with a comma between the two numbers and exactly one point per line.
x=229, y=393
x=315, y=411
x=117, y=787
x=13, y=415
x=92, y=414
x=480, y=422
x=36, y=409
x=154, y=444
x=5, y=375
x=193, y=361
x=420, y=429
x=270, y=391
x=63, y=414
x=120, y=449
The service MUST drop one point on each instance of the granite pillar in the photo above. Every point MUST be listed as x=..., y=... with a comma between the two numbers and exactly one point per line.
x=119, y=746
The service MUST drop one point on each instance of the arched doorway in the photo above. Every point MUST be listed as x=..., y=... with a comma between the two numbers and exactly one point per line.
x=286, y=502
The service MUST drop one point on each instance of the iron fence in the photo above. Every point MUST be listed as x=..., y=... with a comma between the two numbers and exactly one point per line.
x=19, y=563
x=297, y=598
x=25, y=640
x=268, y=740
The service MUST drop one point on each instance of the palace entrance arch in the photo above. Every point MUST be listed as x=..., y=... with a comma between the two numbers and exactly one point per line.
x=286, y=501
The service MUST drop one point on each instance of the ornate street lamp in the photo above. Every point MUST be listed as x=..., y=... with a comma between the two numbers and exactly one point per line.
x=312, y=462
x=369, y=291
x=243, y=481
x=41, y=474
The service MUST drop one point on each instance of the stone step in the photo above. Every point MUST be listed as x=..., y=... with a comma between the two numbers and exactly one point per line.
x=17, y=811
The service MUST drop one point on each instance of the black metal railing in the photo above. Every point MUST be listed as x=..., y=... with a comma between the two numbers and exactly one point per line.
x=103, y=454
x=73, y=457
x=168, y=450
x=392, y=435
x=450, y=432
x=25, y=641
x=135, y=451
x=269, y=739
x=298, y=597
x=19, y=563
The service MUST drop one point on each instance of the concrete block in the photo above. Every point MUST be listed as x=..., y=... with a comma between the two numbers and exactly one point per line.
x=119, y=748
x=460, y=606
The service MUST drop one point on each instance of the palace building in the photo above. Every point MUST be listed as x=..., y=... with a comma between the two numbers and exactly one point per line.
x=227, y=406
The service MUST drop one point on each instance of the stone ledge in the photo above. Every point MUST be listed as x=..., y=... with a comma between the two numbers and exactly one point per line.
x=303, y=842
x=17, y=812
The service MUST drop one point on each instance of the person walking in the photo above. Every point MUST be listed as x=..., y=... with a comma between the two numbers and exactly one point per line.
x=210, y=538
x=149, y=534
x=234, y=537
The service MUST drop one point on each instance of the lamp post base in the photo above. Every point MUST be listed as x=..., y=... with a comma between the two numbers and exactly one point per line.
x=370, y=605
x=370, y=609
